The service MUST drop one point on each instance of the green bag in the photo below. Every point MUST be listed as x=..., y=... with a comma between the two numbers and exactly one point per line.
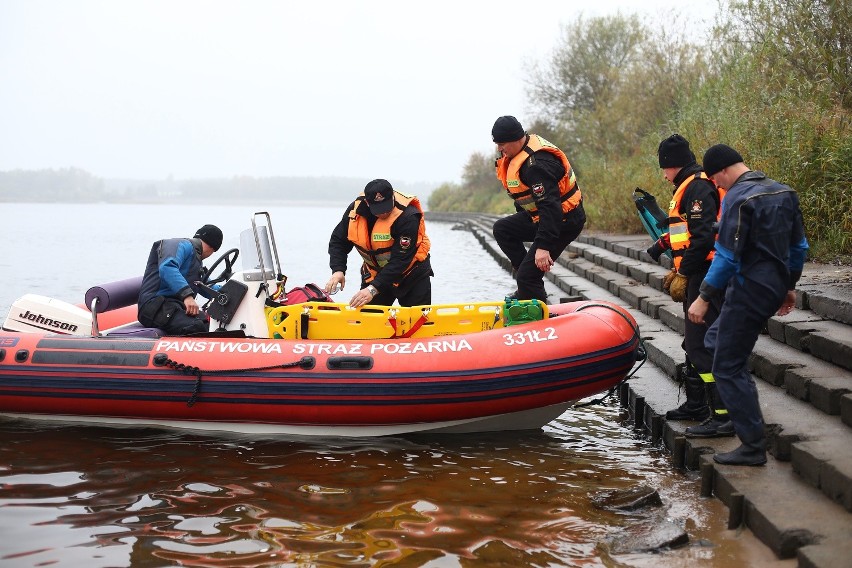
x=522, y=311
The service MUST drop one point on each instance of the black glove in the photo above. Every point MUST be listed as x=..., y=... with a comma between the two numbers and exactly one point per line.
x=655, y=251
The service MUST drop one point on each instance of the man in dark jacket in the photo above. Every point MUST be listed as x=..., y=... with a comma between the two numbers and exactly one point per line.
x=760, y=254
x=167, y=295
x=388, y=230
x=538, y=177
x=693, y=213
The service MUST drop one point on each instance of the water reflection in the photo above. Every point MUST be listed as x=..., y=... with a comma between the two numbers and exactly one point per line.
x=111, y=497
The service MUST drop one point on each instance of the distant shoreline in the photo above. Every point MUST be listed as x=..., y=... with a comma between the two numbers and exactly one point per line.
x=193, y=201
x=236, y=201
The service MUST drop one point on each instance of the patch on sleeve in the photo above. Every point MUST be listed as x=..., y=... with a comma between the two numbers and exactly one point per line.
x=404, y=242
x=538, y=190
x=697, y=206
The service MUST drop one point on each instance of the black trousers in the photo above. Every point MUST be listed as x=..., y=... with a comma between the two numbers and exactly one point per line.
x=747, y=307
x=169, y=314
x=414, y=290
x=694, y=333
x=511, y=234
x=419, y=293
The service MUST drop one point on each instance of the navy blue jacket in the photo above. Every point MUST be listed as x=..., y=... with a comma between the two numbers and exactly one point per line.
x=761, y=237
x=174, y=265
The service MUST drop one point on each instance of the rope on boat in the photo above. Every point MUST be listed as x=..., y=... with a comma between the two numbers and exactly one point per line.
x=641, y=354
x=163, y=360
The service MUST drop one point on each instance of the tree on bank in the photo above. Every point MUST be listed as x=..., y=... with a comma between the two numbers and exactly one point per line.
x=785, y=70
x=772, y=79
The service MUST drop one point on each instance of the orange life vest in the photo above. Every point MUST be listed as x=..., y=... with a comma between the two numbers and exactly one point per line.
x=508, y=172
x=375, y=246
x=679, y=236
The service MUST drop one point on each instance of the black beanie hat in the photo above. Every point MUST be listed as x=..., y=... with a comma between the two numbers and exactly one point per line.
x=210, y=234
x=507, y=129
x=719, y=157
x=674, y=152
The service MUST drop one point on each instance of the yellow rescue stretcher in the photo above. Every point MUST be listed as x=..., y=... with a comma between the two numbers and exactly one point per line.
x=325, y=320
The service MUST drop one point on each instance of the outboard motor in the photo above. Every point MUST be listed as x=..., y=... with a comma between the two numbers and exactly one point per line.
x=32, y=313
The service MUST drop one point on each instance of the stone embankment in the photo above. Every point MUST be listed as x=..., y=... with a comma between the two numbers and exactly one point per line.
x=800, y=503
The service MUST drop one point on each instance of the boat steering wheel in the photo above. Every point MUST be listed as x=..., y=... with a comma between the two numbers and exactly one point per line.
x=229, y=257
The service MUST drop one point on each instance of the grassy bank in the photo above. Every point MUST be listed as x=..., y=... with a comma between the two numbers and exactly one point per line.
x=775, y=85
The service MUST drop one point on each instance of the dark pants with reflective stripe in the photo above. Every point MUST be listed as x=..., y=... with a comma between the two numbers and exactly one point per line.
x=693, y=333
x=513, y=231
x=732, y=337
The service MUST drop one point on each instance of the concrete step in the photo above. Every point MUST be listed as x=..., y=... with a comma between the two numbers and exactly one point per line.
x=816, y=380
x=800, y=503
x=786, y=512
x=831, y=341
x=808, y=332
x=824, y=289
x=822, y=384
x=805, y=329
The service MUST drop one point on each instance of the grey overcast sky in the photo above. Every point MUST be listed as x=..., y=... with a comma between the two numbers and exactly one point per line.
x=148, y=89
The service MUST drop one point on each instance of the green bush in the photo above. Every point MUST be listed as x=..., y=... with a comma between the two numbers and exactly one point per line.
x=777, y=89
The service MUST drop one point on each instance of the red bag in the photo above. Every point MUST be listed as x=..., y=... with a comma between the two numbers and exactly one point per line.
x=307, y=293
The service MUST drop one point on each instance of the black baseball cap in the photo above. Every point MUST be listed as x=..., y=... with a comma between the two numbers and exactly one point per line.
x=379, y=195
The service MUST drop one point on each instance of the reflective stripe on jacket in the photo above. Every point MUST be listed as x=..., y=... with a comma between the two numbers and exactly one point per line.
x=678, y=227
x=508, y=172
x=375, y=246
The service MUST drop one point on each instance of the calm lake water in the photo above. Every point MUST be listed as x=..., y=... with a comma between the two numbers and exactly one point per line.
x=90, y=496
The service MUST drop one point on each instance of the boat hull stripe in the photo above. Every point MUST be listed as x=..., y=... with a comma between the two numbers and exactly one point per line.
x=101, y=358
x=96, y=344
x=309, y=386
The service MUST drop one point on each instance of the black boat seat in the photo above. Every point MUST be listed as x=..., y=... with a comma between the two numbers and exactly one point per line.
x=135, y=330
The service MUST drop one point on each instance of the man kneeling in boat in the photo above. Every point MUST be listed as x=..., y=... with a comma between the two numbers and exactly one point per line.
x=388, y=230
x=167, y=295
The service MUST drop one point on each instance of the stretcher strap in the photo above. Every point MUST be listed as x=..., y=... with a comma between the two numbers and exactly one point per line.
x=423, y=319
x=417, y=325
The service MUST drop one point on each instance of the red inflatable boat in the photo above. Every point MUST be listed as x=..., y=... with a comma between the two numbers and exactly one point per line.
x=303, y=369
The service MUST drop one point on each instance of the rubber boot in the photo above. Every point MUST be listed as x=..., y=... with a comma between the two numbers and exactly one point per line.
x=752, y=453
x=717, y=425
x=513, y=295
x=695, y=407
